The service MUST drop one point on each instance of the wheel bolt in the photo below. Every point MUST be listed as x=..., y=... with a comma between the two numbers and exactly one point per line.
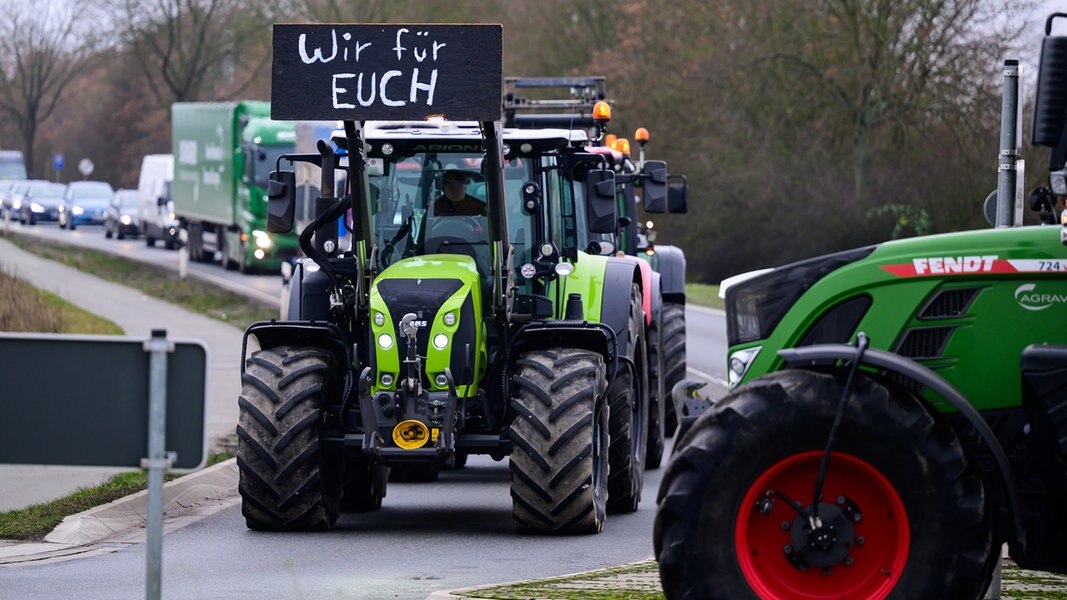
x=785, y=525
x=841, y=500
x=787, y=549
x=848, y=561
x=860, y=540
x=857, y=517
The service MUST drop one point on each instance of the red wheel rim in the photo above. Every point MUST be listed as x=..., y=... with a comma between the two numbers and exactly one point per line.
x=877, y=564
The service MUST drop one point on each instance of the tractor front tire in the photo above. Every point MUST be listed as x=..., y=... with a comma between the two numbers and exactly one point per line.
x=288, y=482
x=907, y=515
x=658, y=398
x=674, y=365
x=628, y=412
x=559, y=466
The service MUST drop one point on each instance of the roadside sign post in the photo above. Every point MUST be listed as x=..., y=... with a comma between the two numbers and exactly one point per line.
x=57, y=164
x=158, y=460
x=98, y=414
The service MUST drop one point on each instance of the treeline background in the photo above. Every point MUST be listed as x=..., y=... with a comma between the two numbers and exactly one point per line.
x=803, y=126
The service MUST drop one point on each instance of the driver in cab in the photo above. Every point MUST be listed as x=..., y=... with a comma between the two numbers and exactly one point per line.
x=456, y=202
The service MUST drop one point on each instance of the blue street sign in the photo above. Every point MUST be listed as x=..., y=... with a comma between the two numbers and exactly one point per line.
x=57, y=162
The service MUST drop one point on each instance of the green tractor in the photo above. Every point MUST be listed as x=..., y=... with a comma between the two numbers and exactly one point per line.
x=534, y=102
x=897, y=414
x=465, y=318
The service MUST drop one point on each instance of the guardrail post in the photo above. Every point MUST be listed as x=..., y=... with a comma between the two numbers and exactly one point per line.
x=158, y=460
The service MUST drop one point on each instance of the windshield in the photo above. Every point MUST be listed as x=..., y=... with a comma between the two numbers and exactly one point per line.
x=91, y=190
x=262, y=160
x=127, y=199
x=47, y=190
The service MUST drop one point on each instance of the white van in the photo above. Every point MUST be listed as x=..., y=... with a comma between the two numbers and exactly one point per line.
x=156, y=209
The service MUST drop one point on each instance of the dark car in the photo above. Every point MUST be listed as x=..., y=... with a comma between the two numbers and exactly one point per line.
x=122, y=217
x=85, y=203
x=40, y=202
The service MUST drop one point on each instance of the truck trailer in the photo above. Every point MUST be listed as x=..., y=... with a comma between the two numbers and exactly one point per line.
x=224, y=152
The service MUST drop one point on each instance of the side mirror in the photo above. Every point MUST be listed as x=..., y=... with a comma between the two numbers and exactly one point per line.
x=600, y=200
x=677, y=195
x=654, y=184
x=281, y=201
x=1051, y=101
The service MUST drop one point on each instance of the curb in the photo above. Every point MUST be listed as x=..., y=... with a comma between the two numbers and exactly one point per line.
x=469, y=593
x=111, y=526
x=215, y=483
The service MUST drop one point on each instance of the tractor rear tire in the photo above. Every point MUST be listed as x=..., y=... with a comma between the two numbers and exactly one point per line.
x=628, y=401
x=674, y=365
x=365, y=484
x=559, y=466
x=658, y=398
x=287, y=481
x=911, y=524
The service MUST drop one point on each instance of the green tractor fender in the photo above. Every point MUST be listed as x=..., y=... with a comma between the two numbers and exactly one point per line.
x=900, y=365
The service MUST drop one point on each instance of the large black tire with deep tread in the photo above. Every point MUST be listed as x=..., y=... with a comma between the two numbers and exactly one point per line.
x=287, y=481
x=789, y=412
x=559, y=465
x=628, y=414
x=674, y=364
x=364, y=484
x=658, y=397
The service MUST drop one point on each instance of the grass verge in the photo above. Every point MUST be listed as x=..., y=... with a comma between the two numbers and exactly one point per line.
x=38, y=520
x=191, y=294
x=704, y=295
x=26, y=309
x=640, y=581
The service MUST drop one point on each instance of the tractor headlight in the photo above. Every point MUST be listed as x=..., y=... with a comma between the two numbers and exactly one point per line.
x=124, y=219
x=1058, y=181
x=379, y=319
x=385, y=341
x=739, y=363
x=450, y=318
x=440, y=341
x=262, y=239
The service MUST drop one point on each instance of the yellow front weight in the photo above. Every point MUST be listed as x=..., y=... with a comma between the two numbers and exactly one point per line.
x=411, y=434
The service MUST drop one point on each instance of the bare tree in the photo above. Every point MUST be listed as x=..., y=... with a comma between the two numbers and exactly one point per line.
x=42, y=52
x=185, y=47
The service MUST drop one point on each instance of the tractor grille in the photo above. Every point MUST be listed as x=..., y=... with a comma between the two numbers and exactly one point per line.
x=948, y=304
x=423, y=297
x=925, y=343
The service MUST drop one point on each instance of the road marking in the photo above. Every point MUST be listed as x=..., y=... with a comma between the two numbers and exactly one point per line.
x=708, y=376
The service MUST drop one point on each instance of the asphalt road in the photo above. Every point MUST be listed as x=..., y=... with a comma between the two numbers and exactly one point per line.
x=453, y=533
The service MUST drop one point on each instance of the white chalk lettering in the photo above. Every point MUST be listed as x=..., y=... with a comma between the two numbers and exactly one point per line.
x=398, y=48
x=437, y=46
x=340, y=90
x=359, y=90
x=318, y=55
x=381, y=89
x=427, y=87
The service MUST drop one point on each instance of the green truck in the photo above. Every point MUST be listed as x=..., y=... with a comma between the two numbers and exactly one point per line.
x=224, y=152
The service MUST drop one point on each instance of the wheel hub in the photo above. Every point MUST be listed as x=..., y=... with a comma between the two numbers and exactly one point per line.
x=825, y=545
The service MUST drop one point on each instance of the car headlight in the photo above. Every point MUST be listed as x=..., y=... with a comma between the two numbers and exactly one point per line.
x=739, y=363
x=36, y=207
x=76, y=210
x=124, y=219
x=262, y=239
x=755, y=306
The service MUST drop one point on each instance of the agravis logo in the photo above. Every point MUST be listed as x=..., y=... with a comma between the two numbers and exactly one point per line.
x=1030, y=299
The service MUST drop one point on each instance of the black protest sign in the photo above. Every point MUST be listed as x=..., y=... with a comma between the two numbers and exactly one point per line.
x=386, y=72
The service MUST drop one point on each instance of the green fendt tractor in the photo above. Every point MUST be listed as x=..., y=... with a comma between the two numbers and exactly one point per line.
x=534, y=102
x=458, y=322
x=900, y=411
